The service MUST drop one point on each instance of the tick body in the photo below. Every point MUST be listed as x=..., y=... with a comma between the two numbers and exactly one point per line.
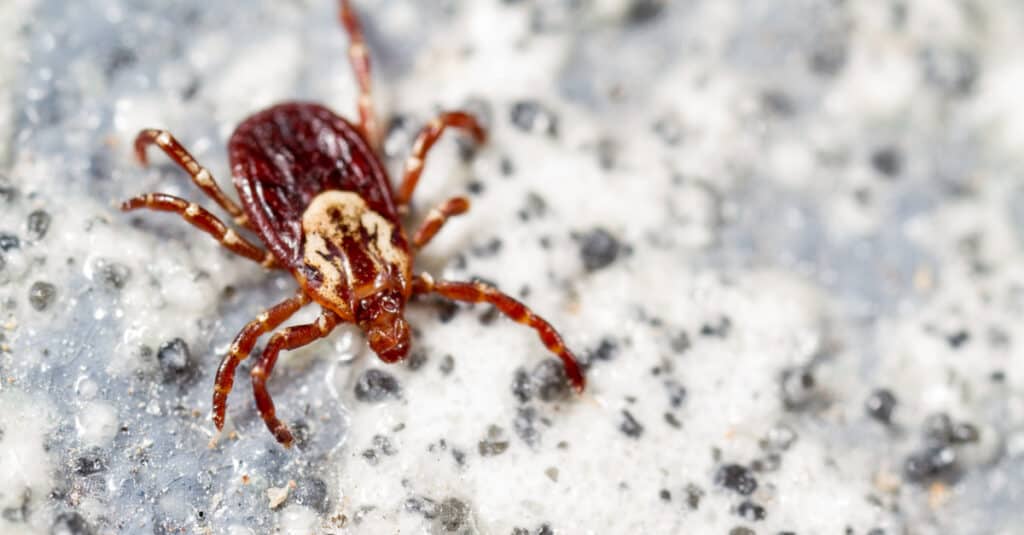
x=313, y=189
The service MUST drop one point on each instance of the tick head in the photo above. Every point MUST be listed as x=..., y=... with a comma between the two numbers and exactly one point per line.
x=382, y=318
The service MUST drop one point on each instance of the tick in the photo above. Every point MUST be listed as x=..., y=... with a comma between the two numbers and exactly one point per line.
x=313, y=189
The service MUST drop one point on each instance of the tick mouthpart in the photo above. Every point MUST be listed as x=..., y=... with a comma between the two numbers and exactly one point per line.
x=389, y=338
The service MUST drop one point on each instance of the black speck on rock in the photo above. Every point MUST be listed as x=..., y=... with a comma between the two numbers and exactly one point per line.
x=828, y=57
x=9, y=241
x=608, y=150
x=453, y=514
x=446, y=310
x=938, y=428
x=630, y=426
x=376, y=385
x=598, y=249
x=487, y=249
x=110, y=274
x=535, y=207
x=964, y=433
x=751, y=511
x=495, y=443
x=416, y=360
x=549, y=380
x=422, y=505
x=302, y=433
x=798, y=388
x=880, y=405
x=888, y=161
x=382, y=444
x=522, y=388
x=736, y=477
x=92, y=461
x=371, y=457
x=693, y=496
x=952, y=71
x=70, y=523
x=399, y=137
x=933, y=462
x=676, y=393
x=605, y=351
x=719, y=330
x=769, y=463
x=520, y=531
x=526, y=425
x=311, y=491
x=680, y=342
x=742, y=530
x=447, y=364
x=669, y=129
x=41, y=295
x=958, y=339
x=37, y=224
x=533, y=117
x=7, y=191
x=175, y=359
x=777, y=103
x=642, y=11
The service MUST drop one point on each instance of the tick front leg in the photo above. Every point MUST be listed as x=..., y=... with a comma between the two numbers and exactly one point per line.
x=428, y=136
x=437, y=218
x=359, y=56
x=203, y=220
x=242, y=346
x=200, y=175
x=290, y=338
x=476, y=292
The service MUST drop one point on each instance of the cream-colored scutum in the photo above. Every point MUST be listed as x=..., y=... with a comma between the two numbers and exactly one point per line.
x=333, y=216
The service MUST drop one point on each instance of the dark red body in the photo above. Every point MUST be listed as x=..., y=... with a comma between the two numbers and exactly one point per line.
x=284, y=156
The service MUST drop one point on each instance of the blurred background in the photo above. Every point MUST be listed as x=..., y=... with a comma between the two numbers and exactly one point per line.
x=783, y=237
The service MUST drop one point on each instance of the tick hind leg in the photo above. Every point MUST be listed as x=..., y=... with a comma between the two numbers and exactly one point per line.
x=426, y=139
x=359, y=56
x=200, y=175
x=475, y=292
x=437, y=218
x=204, y=220
x=290, y=338
x=242, y=346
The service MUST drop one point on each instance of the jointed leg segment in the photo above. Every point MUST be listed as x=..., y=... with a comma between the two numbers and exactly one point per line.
x=437, y=218
x=242, y=346
x=200, y=175
x=475, y=292
x=428, y=136
x=202, y=219
x=359, y=56
x=289, y=338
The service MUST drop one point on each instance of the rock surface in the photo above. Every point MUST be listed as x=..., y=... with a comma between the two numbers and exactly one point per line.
x=785, y=239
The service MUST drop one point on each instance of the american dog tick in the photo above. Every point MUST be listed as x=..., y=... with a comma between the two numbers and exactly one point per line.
x=314, y=190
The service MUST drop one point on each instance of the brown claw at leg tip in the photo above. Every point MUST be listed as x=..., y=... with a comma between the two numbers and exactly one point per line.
x=284, y=437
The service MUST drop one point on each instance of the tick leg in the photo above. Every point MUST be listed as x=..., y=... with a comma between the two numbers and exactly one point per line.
x=476, y=292
x=428, y=136
x=269, y=320
x=359, y=56
x=200, y=175
x=204, y=220
x=290, y=338
x=437, y=218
